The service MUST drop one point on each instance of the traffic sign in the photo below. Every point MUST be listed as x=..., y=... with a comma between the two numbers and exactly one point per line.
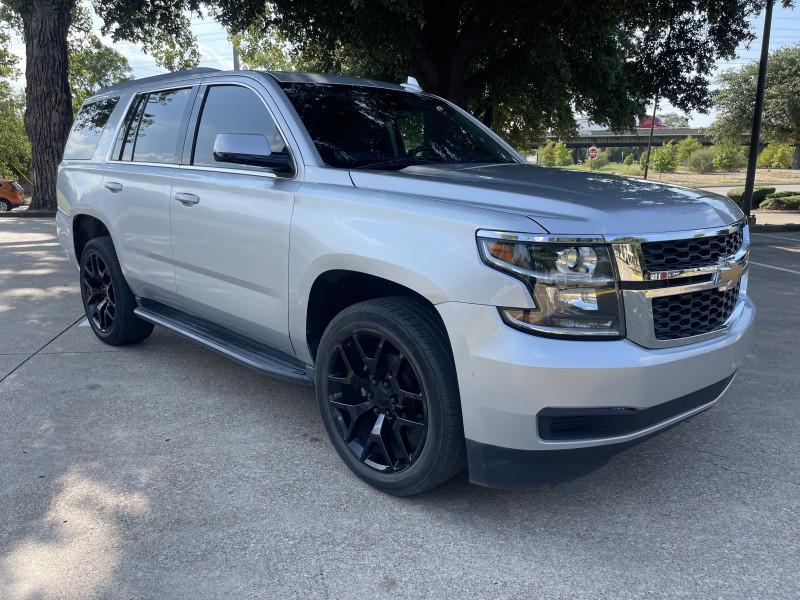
x=592, y=152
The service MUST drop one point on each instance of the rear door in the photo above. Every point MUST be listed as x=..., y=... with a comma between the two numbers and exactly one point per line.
x=230, y=222
x=138, y=186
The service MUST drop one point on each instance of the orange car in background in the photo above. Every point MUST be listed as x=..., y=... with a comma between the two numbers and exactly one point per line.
x=10, y=195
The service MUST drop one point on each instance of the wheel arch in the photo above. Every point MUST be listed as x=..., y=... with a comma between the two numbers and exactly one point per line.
x=84, y=228
x=336, y=289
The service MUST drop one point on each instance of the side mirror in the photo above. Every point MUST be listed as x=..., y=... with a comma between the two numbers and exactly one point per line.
x=250, y=149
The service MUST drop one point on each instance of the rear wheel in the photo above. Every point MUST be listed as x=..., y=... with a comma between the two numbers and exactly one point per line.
x=107, y=299
x=388, y=395
x=4, y=206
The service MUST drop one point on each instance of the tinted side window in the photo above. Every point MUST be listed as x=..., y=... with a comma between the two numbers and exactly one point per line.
x=158, y=127
x=233, y=109
x=123, y=149
x=88, y=128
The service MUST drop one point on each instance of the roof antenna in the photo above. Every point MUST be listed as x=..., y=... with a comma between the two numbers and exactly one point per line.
x=411, y=85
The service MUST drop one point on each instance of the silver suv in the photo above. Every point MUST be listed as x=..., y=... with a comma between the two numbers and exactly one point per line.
x=452, y=305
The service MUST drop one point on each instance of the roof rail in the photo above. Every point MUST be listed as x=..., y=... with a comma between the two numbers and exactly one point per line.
x=156, y=78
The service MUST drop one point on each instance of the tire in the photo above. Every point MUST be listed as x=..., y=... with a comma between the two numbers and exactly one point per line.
x=364, y=384
x=107, y=299
x=4, y=206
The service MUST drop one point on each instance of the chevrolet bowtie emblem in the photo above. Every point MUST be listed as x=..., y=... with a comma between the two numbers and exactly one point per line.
x=729, y=274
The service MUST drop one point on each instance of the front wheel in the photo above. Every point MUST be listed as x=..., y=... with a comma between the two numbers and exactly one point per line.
x=388, y=395
x=4, y=206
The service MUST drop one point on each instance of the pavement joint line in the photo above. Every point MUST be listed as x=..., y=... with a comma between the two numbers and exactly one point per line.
x=45, y=345
x=777, y=237
x=752, y=262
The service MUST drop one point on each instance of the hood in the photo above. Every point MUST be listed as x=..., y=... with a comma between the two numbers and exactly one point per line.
x=562, y=201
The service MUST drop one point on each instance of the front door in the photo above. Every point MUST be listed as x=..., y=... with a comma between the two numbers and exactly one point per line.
x=230, y=222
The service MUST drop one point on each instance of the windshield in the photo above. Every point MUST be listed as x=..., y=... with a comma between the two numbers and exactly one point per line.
x=367, y=127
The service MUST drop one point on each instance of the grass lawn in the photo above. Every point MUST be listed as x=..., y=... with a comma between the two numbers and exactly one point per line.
x=687, y=178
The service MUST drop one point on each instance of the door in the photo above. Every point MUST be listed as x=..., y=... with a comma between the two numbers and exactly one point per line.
x=137, y=188
x=230, y=222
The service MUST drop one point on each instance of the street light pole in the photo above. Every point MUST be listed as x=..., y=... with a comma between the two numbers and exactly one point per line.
x=747, y=197
x=235, y=58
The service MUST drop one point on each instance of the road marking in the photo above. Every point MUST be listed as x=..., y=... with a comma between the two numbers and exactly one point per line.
x=777, y=237
x=752, y=262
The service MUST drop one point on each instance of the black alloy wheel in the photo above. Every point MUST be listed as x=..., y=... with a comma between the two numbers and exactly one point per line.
x=97, y=289
x=4, y=206
x=388, y=394
x=377, y=400
x=107, y=299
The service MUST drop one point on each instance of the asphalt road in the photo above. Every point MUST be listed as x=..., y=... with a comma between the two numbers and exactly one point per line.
x=165, y=471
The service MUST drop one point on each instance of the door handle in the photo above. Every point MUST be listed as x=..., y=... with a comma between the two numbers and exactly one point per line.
x=113, y=186
x=187, y=199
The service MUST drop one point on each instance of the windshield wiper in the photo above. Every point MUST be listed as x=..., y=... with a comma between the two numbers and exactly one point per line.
x=398, y=162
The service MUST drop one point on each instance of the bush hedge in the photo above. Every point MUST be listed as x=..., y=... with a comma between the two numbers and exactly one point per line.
x=701, y=161
x=782, y=203
x=759, y=195
x=784, y=194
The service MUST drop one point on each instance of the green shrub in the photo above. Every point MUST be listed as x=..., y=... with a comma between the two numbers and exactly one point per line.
x=775, y=156
x=665, y=158
x=628, y=160
x=563, y=154
x=759, y=195
x=701, y=161
x=686, y=147
x=786, y=194
x=727, y=157
x=547, y=154
x=784, y=157
x=782, y=203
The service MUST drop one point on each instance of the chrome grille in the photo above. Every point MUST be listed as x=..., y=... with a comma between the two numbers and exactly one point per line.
x=682, y=287
x=694, y=313
x=670, y=255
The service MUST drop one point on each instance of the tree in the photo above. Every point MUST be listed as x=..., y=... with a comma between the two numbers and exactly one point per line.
x=675, y=120
x=547, y=154
x=728, y=157
x=15, y=151
x=686, y=147
x=781, y=117
x=48, y=101
x=521, y=67
x=563, y=155
x=665, y=158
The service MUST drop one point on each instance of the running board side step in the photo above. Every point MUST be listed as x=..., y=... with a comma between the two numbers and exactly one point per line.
x=243, y=350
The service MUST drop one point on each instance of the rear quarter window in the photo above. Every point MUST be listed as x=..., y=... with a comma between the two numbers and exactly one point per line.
x=88, y=128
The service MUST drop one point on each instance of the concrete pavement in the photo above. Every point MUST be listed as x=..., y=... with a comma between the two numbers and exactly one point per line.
x=165, y=471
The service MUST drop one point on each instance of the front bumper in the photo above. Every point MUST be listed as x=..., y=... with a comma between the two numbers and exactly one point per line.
x=506, y=377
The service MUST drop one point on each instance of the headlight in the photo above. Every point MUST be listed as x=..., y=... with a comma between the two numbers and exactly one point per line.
x=571, y=280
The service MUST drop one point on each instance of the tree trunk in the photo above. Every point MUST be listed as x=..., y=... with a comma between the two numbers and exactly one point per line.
x=48, y=104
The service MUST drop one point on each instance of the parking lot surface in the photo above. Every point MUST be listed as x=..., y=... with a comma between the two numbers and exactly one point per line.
x=165, y=471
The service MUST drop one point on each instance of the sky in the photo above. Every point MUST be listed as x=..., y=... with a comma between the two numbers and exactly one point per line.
x=216, y=50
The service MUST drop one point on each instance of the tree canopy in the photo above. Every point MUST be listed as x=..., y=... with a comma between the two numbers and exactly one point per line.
x=735, y=99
